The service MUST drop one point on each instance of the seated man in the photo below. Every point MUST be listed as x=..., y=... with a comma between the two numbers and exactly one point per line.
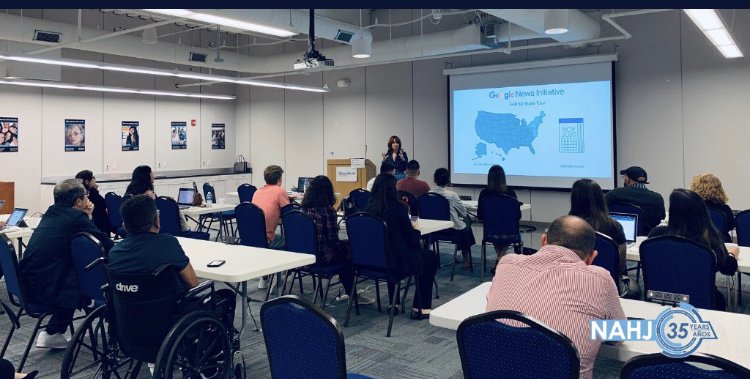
x=46, y=270
x=411, y=183
x=271, y=198
x=559, y=287
x=635, y=192
x=144, y=250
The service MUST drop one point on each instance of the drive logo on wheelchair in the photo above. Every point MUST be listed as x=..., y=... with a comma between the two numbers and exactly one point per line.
x=126, y=287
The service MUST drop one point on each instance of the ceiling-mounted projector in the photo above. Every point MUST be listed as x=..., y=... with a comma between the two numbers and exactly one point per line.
x=312, y=58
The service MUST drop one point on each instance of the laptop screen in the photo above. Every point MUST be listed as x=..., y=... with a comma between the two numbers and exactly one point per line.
x=629, y=224
x=302, y=183
x=16, y=216
x=186, y=196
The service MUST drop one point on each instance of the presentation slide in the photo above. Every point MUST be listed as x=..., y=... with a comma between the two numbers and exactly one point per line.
x=544, y=135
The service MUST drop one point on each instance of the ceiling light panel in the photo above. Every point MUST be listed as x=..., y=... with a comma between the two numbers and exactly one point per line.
x=224, y=21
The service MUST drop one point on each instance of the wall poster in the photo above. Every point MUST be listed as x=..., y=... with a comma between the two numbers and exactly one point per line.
x=218, y=136
x=179, y=135
x=8, y=134
x=129, y=134
x=75, y=135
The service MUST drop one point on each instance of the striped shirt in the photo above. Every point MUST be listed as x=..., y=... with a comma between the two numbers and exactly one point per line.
x=557, y=288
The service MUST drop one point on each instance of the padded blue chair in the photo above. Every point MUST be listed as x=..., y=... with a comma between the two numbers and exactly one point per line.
x=289, y=208
x=501, y=217
x=302, y=341
x=9, y=265
x=658, y=365
x=113, y=201
x=623, y=207
x=608, y=257
x=721, y=224
x=411, y=200
x=301, y=237
x=359, y=198
x=246, y=192
x=225, y=219
x=433, y=206
x=251, y=225
x=678, y=265
x=368, y=236
x=169, y=216
x=493, y=349
x=86, y=249
x=742, y=220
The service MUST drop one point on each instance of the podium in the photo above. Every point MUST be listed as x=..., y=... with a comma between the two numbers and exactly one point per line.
x=8, y=193
x=344, y=187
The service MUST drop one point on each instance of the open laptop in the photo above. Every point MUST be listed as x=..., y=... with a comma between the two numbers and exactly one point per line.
x=629, y=224
x=185, y=197
x=302, y=183
x=16, y=218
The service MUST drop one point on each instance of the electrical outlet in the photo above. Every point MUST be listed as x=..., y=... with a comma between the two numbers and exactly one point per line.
x=204, y=163
x=158, y=164
x=106, y=167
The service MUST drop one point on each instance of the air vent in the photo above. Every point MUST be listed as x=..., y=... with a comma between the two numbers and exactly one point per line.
x=344, y=36
x=52, y=37
x=197, y=57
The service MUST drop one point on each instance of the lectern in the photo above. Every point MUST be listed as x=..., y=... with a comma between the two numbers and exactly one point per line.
x=8, y=193
x=344, y=187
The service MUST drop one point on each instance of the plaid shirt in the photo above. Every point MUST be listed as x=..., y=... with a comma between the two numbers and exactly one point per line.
x=328, y=231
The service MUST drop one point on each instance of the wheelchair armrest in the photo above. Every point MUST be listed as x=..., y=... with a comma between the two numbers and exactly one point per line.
x=95, y=263
x=11, y=315
x=197, y=291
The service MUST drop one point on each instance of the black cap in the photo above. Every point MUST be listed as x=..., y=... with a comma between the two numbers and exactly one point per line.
x=636, y=173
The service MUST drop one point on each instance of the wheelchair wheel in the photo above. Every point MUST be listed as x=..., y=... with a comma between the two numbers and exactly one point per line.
x=198, y=347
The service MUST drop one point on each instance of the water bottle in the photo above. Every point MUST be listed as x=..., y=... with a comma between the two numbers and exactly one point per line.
x=209, y=198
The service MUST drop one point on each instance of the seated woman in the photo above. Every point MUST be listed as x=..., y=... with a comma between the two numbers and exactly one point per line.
x=8, y=372
x=404, y=252
x=464, y=238
x=708, y=187
x=142, y=183
x=688, y=217
x=318, y=204
x=100, y=218
x=496, y=185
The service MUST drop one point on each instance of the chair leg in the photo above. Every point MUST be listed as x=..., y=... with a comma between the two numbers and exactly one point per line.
x=453, y=265
x=351, y=299
x=31, y=341
x=10, y=334
x=484, y=258
x=437, y=292
x=325, y=297
x=299, y=275
x=739, y=288
x=392, y=311
x=133, y=374
x=406, y=292
x=286, y=278
x=377, y=294
x=270, y=285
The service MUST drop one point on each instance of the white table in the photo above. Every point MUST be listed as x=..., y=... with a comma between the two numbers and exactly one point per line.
x=473, y=205
x=731, y=328
x=243, y=263
x=743, y=261
x=209, y=208
x=19, y=233
x=427, y=226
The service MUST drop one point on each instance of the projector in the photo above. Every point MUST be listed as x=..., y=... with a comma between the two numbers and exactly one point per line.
x=306, y=63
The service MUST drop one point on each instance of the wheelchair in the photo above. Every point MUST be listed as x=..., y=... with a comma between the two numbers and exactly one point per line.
x=138, y=324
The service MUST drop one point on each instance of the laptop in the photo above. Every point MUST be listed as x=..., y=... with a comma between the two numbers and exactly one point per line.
x=185, y=198
x=629, y=224
x=302, y=183
x=16, y=218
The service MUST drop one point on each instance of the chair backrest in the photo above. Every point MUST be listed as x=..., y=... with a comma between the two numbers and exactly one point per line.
x=246, y=192
x=678, y=265
x=169, y=216
x=608, y=257
x=113, y=201
x=623, y=207
x=493, y=349
x=742, y=220
x=302, y=340
x=434, y=206
x=411, y=201
x=251, y=225
x=300, y=232
x=86, y=249
x=359, y=198
x=208, y=188
x=145, y=308
x=289, y=207
x=368, y=240
x=9, y=267
x=717, y=218
x=658, y=365
x=502, y=217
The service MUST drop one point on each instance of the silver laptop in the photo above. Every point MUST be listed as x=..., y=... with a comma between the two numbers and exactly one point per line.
x=629, y=224
x=185, y=197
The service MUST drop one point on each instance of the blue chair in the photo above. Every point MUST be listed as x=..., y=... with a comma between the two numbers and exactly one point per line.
x=501, y=217
x=493, y=349
x=742, y=220
x=289, y=208
x=359, y=198
x=678, y=265
x=86, y=249
x=301, y=237
x=658, y=365
x=9, y=266
x=169, y=216
x=113, y=202
x=622, y=207
x=225, y=219
x=411, y=201
x=608, y=257
x=251, y=225
x=717, y=218
x=368, y=236
x=302, y=341
x=246, y=192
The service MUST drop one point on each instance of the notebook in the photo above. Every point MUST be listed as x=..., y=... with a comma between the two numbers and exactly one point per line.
x=629, y=224
x=185, y=198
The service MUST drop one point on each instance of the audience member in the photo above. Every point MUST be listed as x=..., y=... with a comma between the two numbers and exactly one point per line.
x=47, y=270
x=559, y=287
x=385, y=168
x=464, y=237
x=709, y=187
x=7, y=371
x=318, y=204
x=411, y=183
x=404, y=253
x=635, y=192
x=144, y=250
x=496, y=185
x=396, y=156
x=142, y=183
x=100, y=218
x=688, y=217
x=270, y=198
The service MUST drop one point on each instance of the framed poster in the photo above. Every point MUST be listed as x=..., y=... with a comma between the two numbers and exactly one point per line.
x=8, y=134
x=129, y=135
x=75, y=135
x=179, y=135
x=218, y=136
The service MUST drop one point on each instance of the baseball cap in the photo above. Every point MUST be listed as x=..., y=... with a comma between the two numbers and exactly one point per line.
x=636, y=173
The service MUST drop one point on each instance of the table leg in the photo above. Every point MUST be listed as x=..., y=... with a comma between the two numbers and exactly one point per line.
x=245, y=304
x=20, y=248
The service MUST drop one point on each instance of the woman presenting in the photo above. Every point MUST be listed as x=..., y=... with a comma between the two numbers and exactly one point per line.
x=396, y=156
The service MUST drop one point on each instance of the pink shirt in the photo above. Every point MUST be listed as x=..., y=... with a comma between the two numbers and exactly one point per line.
x=270, y=198
x=557, y=288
